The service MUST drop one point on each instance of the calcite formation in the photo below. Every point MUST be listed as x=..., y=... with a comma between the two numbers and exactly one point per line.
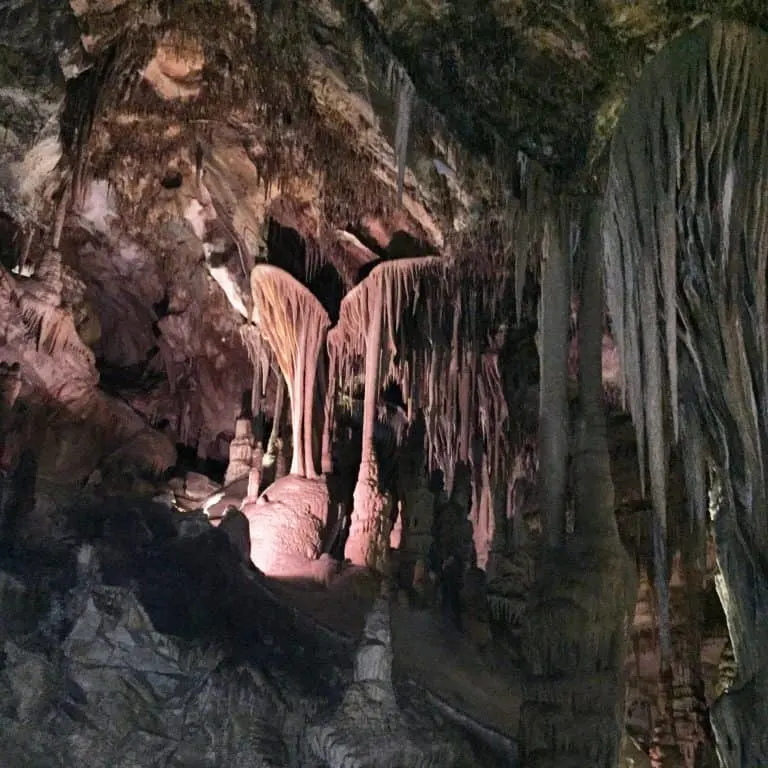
x=369, y=729
x=325, y=281
x=287, y=524
x=240, y=452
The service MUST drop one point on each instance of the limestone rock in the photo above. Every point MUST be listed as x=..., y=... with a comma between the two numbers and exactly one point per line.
x=120, y=693
x=194, y=487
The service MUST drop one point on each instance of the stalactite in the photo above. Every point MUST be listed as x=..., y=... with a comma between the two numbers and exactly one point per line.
x=53, y=331
x=657, y=451
x=460, y=390
x=298, y=395
x=464, y=406
x=403, y=90
x=259, y=357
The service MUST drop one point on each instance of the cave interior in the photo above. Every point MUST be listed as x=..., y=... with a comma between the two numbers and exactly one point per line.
x=377, y=389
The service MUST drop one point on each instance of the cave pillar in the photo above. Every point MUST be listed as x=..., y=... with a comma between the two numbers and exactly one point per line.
x=577, y=619
x=553, y=406
x=366, y=532
x=310, y=377
x=314, y=343
x=298, y=413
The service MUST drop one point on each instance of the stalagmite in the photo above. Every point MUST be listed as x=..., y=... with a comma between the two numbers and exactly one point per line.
x=686, y=235
x=293, y=323
x=240, y=452
x=370, y=324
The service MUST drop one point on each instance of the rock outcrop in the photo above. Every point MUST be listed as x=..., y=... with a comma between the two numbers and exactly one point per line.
x=118, y=692
x=146, y=638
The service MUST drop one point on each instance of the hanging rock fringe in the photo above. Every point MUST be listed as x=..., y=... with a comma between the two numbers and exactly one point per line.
x=400, y=283
x=258, y=354
x=53, y=331
x=686, y=254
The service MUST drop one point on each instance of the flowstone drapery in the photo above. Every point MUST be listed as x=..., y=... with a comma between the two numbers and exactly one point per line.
x=686, y=244
x=293, y=323
x=370, y=326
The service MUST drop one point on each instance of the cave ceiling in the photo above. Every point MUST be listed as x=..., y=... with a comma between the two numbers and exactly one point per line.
x=163, y=148
x=547, y=77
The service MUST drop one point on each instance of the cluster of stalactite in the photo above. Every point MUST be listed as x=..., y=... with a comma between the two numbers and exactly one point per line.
x=435, y=329
x=430, y=326
x=686, y=243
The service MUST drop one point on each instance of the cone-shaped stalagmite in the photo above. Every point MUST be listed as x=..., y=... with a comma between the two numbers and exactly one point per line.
x=368, y=326
x=293, y=322
x=686, y=234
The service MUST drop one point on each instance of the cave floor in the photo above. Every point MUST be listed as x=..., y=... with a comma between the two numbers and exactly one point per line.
x=481, y=684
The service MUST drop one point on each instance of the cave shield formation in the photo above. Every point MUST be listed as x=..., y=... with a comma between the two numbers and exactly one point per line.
x=383, y=383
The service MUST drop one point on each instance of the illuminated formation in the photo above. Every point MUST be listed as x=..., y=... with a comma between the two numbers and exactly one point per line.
x=293, y=323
